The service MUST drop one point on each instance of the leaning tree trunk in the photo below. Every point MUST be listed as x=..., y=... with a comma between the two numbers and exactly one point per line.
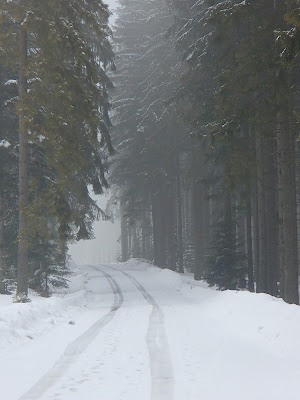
x=22, y=275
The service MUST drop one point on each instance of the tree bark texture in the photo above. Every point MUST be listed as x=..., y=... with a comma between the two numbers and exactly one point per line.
x=297, y=165
x=2, y=262
x=261, y=284
x=143, y=237
x=22, y=275
x=200, y=212
x=135, y=240
x=249, y=248
x=129, y=239
x=271, y=218
x=179, y=220
x=286, y=187
x=147, y=251
x=124, y=234
x=188, y=256
x=255, y=234
x=171, y=225
x=159, y=228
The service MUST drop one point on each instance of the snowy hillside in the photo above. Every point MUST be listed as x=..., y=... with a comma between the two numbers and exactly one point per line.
x=133, y=331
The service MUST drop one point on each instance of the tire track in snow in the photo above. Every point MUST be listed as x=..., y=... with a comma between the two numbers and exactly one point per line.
x=162, y=382
x=77, y=347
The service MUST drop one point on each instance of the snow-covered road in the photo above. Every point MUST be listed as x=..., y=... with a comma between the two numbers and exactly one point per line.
x=132, y=331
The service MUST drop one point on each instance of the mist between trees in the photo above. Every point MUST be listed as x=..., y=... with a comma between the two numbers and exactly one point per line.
x=206, y=173
x=206, y=132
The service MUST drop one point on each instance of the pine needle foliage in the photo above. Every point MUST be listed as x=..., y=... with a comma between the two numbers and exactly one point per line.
x=224, y=265
x=65, y=110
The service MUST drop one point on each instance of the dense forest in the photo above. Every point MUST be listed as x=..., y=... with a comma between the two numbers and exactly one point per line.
x=54, y=139
x=202, y=151
x=207, y=170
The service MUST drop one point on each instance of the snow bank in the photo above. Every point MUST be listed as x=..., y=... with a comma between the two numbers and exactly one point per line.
x=228, y=345
x=27, y=321
x=223, y=345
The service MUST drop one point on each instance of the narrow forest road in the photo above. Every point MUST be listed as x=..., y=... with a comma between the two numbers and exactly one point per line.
x=160, y=364
x=141, y=333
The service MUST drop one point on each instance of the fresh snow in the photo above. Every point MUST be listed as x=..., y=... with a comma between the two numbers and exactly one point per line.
x=135, y=332
x=11, y=82
x=4, y=143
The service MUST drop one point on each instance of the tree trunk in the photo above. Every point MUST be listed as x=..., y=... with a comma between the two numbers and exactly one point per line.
x=240, y=236
x=179, y=220
x=228, y=221
x=129, y=238
x=143, y=237
x=271, y=219
x=261, y=284
x=197, y=232
x=159, y=229
x=255, y=233
x=171, y=223
x=297, y=171
x=146, y=233
x=2, y=263
x=249, y=248
x=189, y=257
x=156, y=228
x=124, y=234
x=200, y=214
x=22, y=275
x=286, y=188
x=135, y=240
x=281, y=237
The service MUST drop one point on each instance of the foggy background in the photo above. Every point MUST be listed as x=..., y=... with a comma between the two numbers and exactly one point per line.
x=105, y=247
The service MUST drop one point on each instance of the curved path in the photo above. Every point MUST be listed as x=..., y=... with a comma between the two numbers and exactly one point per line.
x=77, y=347
x=132, y=348
x=160, y=362
x=117, y=348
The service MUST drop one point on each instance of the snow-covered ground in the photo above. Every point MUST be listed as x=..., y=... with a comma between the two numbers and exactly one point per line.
x=134, y=332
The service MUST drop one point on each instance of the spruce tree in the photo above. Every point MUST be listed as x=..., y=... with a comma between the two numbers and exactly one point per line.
x=8, y=173
x=63, y=51
x=147, y=128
